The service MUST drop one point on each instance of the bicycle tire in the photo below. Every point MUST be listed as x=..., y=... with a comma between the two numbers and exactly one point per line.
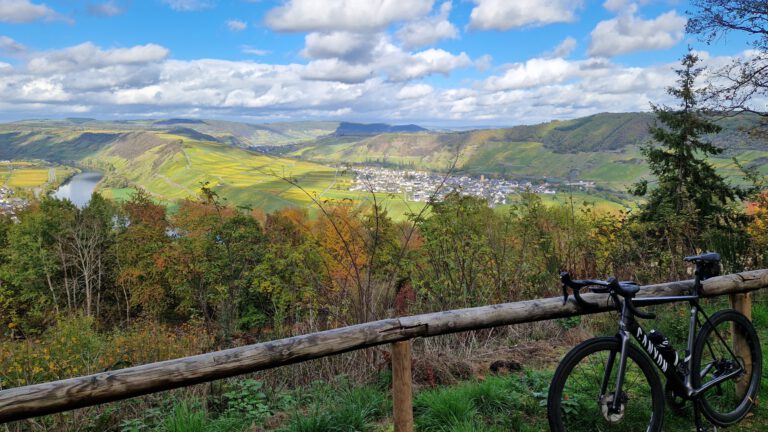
x=639, y=370
x=713, y=402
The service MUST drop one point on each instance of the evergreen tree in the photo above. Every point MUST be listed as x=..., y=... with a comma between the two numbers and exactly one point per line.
x=689, y=193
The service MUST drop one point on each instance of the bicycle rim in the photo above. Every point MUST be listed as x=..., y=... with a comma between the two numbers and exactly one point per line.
x=575, y=403
x=729, y=401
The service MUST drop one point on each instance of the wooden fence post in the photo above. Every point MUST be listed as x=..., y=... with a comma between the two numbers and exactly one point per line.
x=402, y=389
x=742, y=303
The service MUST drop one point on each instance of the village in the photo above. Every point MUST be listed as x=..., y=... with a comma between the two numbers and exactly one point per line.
x=11, y=205
x=420, y=186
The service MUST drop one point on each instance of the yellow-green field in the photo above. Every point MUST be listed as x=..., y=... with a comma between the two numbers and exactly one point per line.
x=174, y=171
x=28, y=175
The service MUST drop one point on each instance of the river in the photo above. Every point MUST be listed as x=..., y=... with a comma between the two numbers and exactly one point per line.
x=79, y=188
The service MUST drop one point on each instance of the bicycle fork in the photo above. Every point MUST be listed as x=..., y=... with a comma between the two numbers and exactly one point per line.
x=615, y=403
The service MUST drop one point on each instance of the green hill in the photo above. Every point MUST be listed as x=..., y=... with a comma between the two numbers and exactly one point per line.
x=170, y=158
x=603, y=148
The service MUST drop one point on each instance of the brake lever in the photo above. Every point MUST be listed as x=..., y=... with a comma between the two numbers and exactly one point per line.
x=583, y=303
x=565, y=294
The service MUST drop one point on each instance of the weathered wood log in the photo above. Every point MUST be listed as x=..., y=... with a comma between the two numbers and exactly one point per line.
x=57, y=396
x=742, y=303
x=402, y=386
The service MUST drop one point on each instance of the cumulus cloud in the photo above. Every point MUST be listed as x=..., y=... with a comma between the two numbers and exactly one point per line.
x=355, y=57
x=89, y=56
x=236, y=25
x=564, y=49
x=428, y=30
x=534, y=72
x=189, y=5
x=10, y=47
x=507, y=14
x=484, y=62
x=619, y=5
x=107, y=9
x=348, y=46
x=428, y=62
x=629, y=33
x=24, y=11
x=348, y=15
x=333, y=69
x=142, y=81
x=414, y=91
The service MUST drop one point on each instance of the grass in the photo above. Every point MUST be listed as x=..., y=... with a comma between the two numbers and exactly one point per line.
x=491, y=403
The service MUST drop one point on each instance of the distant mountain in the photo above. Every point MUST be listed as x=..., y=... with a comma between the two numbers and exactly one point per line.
x=346, y=129
x=604, y=148
x=192, y=134
x=171, y=122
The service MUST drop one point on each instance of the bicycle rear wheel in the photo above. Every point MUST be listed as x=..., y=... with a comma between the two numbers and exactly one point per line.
x=575, y=403
x=729, y=401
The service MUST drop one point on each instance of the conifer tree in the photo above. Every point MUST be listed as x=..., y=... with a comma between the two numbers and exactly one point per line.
x=689, y=191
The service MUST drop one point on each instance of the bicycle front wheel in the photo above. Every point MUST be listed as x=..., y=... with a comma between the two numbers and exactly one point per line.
x=577, y=402
x=727, y=345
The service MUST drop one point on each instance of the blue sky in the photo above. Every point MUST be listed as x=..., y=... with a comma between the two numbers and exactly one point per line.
x=440, y=63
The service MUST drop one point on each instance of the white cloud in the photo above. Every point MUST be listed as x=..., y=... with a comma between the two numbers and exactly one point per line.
x=332, y=69
x=564, y=49
x=11, y=47
x=351, y=47
x=629, y=33
x=484, y=62
x=356, y=57
x=142, y=81
x=107, y=9
x=619, y=5
x=428, y=30
x=414, y=91
x=533, y=73
x=236, y=25
x=24, y=11
x=88, y=55
x=426, y=63
x=348, y=15
x=508, y=14
x=247, y=49
x=189, y=5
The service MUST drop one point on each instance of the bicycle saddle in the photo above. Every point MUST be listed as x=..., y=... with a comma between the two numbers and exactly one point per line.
x=709, y=257
x=707, y=265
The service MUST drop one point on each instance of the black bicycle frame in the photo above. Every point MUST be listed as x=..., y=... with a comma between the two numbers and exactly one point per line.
x=682, y=383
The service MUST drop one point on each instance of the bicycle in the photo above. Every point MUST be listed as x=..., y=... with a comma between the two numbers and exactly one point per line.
x=608, y=383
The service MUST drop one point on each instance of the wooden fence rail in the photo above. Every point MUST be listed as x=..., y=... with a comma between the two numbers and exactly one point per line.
x=57, y=396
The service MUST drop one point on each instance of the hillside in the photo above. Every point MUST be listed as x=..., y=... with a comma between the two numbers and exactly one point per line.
x=346, y=128
x=36, y=136
x=602, y=148
x=171, y=157
x=173, y=167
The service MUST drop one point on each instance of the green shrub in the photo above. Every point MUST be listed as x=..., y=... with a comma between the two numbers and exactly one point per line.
x=245, y=398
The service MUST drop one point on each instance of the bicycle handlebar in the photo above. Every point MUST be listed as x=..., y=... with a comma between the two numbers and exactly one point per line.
x=625, y=289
